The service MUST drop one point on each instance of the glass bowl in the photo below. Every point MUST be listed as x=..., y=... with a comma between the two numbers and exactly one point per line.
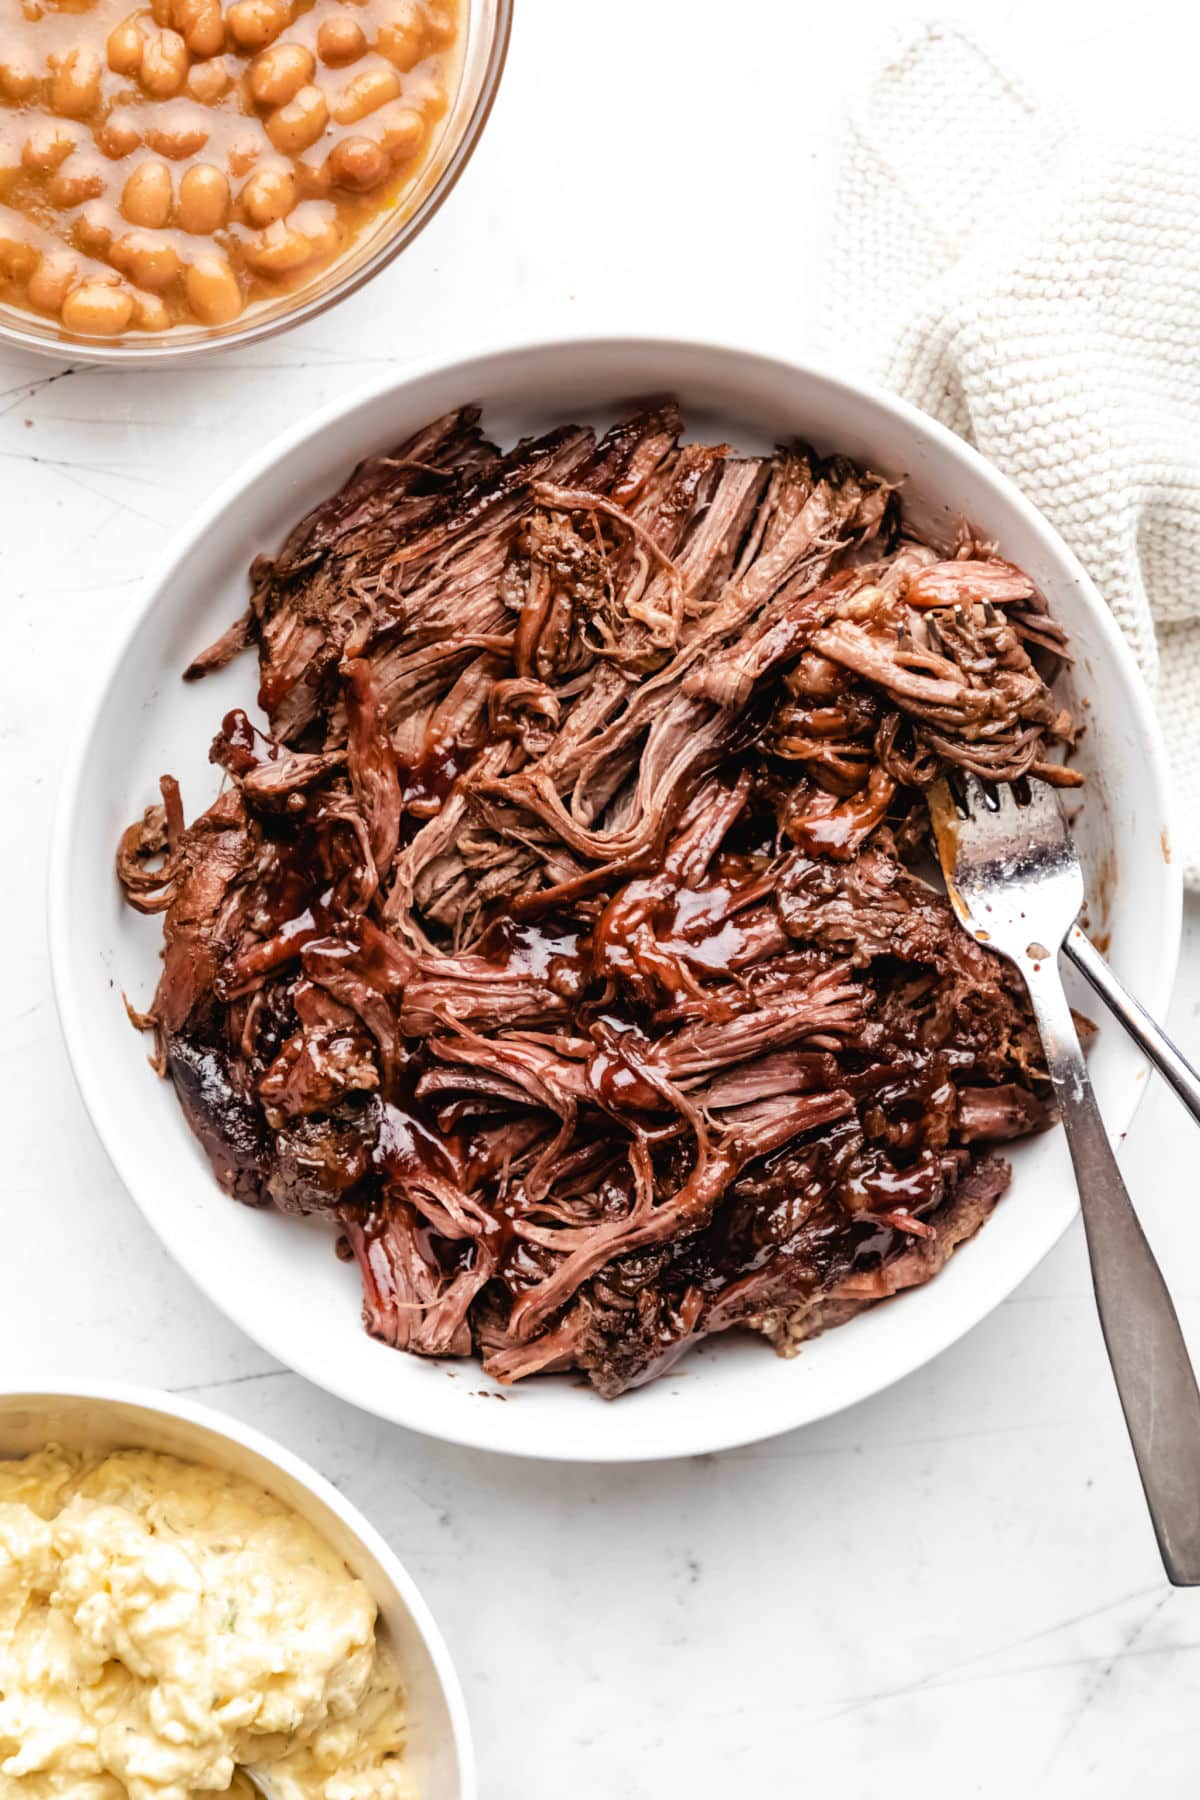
x=488, y=27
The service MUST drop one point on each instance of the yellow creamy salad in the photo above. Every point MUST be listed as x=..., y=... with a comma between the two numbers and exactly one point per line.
x=163, y=1624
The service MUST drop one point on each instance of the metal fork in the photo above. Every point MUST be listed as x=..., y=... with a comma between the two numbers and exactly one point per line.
x=1016, y=884
x=1146, y=1032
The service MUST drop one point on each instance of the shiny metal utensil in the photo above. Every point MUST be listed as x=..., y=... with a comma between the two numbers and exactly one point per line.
x=1171, y=1064
x=1015, y=882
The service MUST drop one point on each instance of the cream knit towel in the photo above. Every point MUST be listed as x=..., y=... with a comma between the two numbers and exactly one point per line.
x=1041, y=296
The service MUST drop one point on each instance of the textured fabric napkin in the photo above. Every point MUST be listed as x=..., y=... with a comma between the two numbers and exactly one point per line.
x=1040, y=294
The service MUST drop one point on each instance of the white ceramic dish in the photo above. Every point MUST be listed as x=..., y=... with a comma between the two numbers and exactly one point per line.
x=144, y=721
x=98, y=1418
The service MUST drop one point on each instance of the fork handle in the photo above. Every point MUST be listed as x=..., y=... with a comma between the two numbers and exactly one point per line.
x=1145, y=1345
x=1145, y=1031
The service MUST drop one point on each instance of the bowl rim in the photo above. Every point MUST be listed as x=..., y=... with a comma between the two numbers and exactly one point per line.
x=223, y=1425
x=1166, y=926
x=96, y=353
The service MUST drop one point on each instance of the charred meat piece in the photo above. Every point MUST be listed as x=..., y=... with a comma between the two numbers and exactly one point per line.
x=559, y=935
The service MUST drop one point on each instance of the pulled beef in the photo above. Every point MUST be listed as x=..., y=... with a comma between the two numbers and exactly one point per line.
x=560, y=937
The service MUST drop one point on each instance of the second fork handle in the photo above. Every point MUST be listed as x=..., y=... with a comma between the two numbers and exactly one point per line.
x=1144, y=1030
x=1146, y=1347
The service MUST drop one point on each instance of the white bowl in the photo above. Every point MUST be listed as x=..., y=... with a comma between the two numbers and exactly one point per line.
x=98, y=1418
x=277, y=1277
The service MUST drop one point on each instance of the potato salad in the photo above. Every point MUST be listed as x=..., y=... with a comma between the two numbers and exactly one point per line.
x=165, y=1625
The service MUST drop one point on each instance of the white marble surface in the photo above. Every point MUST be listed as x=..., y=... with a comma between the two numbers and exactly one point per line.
x=951, y=1590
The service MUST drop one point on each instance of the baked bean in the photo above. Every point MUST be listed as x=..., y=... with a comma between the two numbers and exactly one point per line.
x=82, y=177
x=18, y=75
x=75, y=82
x=253, y=24
x=150, y=313
x=95, y=227
x=373, y=88
x=180, y=129
x=401, y=37
x=119, y=136
x=50, y=143
x=124, y=47
x=207, y=81
x=147, y=195
x=269, y=195
x=279, y=250
x=202, y=24
x=292, y=128
x=52, y=280
x=203, y=200
x=97, y=310
x=279, y=73
x=314, y=179
x=164, y=64
x=162, y=11
x=212, y=290
x=400, y=130
x=319, y=225
x=245, y=150
x=149, y=260
x=18, y=260
x=426, y=94
x=441, y=25
x=358, y=162
x=340, y=39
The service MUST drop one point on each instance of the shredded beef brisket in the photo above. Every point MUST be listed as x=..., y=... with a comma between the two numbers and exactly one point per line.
x=560, y=936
